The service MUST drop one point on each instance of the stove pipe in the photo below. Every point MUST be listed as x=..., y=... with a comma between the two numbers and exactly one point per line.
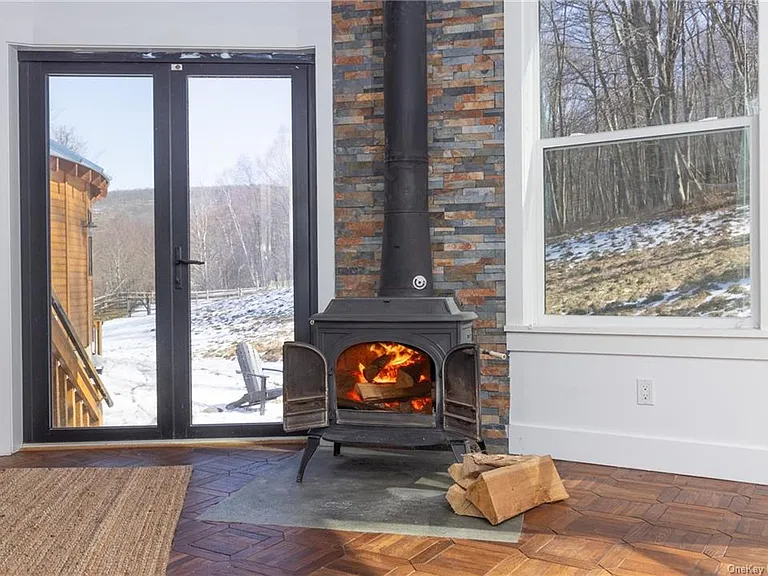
x=406, y=258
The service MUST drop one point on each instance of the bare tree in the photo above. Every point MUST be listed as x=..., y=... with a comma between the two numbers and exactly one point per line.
x=613, y=64
x=68, y=136
x=241, y=228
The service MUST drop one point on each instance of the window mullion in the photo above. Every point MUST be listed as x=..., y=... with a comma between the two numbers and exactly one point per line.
x=647, y=132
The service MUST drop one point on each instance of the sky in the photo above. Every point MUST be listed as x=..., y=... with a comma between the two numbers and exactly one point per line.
x=228, y=118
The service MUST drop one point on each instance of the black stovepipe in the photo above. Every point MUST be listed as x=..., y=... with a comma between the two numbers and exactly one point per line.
x=406, y=259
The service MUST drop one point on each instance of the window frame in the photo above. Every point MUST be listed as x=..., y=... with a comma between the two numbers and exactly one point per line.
x=525, y=195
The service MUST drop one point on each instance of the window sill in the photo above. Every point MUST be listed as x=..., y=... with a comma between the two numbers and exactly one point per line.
x=733, y=344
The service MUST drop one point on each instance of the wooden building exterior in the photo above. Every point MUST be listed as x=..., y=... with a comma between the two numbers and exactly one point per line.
x=77, y=391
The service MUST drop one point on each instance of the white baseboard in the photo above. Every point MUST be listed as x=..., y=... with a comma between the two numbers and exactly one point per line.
x=675, y=455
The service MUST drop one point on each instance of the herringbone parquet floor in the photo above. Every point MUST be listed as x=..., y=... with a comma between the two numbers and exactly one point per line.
x=618, y=521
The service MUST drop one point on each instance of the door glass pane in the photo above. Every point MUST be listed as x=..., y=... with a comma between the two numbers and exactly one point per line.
x=240, y=225
x=101, y=173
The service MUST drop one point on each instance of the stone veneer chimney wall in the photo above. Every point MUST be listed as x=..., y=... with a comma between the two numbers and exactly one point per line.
x=465, y=71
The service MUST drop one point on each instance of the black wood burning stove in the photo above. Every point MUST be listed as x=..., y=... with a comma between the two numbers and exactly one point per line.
x=398, y=370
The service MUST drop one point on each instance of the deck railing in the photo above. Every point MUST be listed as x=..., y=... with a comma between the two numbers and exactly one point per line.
x=78, y=391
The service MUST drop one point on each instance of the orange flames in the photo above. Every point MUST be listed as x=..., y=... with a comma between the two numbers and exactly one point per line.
x=386, y=363
x=421, y=404
x=402, y=357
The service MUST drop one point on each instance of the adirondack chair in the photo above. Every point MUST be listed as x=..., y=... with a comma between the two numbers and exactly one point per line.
x=255, y=380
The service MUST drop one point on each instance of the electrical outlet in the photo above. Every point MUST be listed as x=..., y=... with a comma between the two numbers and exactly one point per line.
x=645, y=391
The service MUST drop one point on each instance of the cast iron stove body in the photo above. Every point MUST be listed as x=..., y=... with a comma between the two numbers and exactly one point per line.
x=318, y=394
x=398, y=370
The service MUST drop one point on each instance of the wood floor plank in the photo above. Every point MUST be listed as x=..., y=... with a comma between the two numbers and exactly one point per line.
x=747, y=551
x=364, y=562
x=613, y=506
x=397, y=545
x=706, y=498
x=753, y=528
x=571, y=551
x=600, y=526
x=641, y=562
x=757, y=507
x=533, y=567
x=625, y=490
x=462, y=560
x=652, y=537
x=318, y=538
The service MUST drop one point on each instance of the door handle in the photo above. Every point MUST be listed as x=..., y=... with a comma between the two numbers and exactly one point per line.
x=178, y=263
x=181, y=261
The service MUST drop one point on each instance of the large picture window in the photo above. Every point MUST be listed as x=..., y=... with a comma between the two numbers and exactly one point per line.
x=647, y=156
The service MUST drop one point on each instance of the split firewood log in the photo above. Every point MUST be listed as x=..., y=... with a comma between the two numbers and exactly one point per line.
x=457, y=474
x=507, y=491
x=404, y=379
x=476, y=463
x=457, y=498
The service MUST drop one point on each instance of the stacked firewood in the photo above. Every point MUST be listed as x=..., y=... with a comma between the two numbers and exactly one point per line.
x=498, y=487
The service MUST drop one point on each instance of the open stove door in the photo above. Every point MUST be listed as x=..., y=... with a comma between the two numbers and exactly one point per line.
x=461, y=396
x=305, y=387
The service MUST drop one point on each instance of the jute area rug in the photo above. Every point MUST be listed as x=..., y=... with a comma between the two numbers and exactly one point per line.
x=89, y=521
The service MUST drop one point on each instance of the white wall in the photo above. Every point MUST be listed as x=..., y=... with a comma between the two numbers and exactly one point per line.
x=141, y=25
x=15, y=26
x=710, y=416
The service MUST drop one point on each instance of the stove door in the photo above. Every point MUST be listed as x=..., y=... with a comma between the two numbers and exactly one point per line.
x=461, y=396
x=305, y=387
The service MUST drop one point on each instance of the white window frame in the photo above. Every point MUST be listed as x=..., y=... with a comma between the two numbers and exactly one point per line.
x=524, y=181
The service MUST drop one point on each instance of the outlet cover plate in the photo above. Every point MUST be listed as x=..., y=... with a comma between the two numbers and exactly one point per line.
x=645, y=395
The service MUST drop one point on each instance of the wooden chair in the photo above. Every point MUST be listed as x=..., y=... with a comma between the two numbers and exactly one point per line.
x=255, y=380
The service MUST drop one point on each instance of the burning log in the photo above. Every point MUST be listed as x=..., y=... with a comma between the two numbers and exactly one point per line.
x=392, y=391
x=349, y=403
x=372, y=370
x=419, y=370
x=404, y=379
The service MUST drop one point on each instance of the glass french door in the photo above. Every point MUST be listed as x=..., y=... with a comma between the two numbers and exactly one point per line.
x=174, y=204
x=237, y=143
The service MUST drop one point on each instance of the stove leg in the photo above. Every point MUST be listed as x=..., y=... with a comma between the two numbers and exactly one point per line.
x=336, y=449
x=481, y=445
x=313, y=441
x=459, y=448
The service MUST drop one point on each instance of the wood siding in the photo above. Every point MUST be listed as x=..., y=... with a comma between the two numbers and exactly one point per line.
x=71, y=284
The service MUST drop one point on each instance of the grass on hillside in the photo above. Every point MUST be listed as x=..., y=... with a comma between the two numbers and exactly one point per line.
x=703, y=272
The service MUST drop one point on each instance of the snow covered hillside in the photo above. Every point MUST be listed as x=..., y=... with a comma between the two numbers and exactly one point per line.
x=694, y=265
x=727, y=223
x=265, y=319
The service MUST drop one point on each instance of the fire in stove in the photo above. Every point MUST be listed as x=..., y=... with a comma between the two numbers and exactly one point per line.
x=385, y=376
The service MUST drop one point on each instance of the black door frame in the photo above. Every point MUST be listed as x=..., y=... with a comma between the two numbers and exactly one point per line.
x=171, y=229
x=304, y=220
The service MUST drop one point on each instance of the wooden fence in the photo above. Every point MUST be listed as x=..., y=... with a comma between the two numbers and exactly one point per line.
x=122, y=304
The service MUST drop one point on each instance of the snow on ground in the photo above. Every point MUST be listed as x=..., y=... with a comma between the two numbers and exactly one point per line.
x=699, y=229
x=128, y=370
x=129, y=355
x=729, y=222
x=734, y=294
